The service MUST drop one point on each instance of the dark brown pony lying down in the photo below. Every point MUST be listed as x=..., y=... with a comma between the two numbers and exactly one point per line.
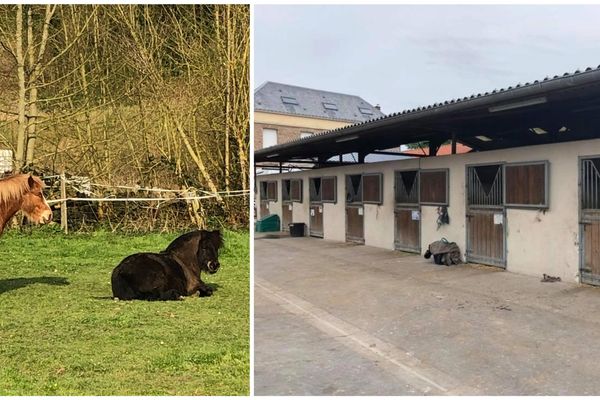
x=170, y=274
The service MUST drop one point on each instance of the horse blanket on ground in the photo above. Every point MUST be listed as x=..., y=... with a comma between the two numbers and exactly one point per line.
x=444, y=252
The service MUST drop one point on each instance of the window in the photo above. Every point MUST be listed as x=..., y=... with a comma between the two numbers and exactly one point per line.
x=269, y=137
x=329, y=189
x=289, y=100
x=305, y=134
x=484, y=185
x=433, y=187
x=372, y=188
x=526, y=184
x=330, y=106
x=268, y=191
x=315, y=187
x=323, y=189
x=364, y=188
x=263, y=190
x=589, y=172
x=354, y=188
x=285, y=189
x=406, y=187
x=366, y=111
x=296, y=190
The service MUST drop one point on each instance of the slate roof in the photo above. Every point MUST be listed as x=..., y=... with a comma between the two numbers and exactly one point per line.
x=295, y=100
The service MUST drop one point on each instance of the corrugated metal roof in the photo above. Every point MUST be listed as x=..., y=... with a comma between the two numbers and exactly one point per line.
x=463, y=99
x=295, y=100
x=581, y=86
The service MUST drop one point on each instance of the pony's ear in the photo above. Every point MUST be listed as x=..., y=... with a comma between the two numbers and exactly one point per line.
x=31, y=182
x=216, y=238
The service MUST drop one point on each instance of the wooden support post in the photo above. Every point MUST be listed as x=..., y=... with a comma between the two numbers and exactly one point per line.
x=453, y=143
x=280, y=167
x=63, y=205
x=434, y=146
x=361, y=157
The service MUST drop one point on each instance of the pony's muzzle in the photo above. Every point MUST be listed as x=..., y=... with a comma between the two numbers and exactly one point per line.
x=213, y=266
x=46, y=217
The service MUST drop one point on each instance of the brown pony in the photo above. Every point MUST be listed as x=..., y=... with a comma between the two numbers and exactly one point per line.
x=23, y=192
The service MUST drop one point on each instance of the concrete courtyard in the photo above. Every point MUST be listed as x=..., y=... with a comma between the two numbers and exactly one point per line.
x=339, y=319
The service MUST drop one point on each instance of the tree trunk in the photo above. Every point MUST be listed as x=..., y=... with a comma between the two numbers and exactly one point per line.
x=21, y=127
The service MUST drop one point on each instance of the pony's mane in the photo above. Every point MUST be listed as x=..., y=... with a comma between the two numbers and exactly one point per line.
x=215, y=237
x=15, y=186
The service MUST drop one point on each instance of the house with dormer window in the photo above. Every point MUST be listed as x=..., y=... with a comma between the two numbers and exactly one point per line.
x=283, y=113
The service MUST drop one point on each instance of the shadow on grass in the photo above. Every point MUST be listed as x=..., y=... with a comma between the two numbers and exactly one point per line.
x=6, y=285
x=213, y=286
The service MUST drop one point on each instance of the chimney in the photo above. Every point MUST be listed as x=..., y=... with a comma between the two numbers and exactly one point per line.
x=378, y=107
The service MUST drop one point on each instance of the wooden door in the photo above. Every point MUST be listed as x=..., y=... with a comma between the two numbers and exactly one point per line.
x=286, y=216
x=316, y=220
x=589, y=203
x=486, y=236
x=264, y=209
x=407, y=223
x=486, y=216
x=355, y=224
x=590, y=263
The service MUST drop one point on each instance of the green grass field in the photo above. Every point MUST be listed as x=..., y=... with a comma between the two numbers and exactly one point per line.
x=61, y=333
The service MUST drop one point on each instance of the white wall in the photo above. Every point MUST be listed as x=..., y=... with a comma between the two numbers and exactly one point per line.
x=537, y=242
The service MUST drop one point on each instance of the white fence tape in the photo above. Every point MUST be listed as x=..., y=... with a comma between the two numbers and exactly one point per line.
x=125, y=199
x=76, y=183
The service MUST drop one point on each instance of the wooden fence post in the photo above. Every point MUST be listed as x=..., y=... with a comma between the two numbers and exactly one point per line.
x=63, y=206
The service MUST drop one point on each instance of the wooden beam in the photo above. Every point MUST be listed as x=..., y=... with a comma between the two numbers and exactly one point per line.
x=361, y=157
x=388, y=153
x=453, y=143
x=434, y=146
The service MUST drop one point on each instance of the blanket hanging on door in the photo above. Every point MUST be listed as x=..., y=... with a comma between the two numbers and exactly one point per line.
x=444, y=252
x=443, y=218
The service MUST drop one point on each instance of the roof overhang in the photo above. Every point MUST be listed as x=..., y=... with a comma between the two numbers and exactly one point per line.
x=554, y=110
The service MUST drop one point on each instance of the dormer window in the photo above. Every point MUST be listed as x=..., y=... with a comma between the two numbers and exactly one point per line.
x=330, y=106
x=365, y=111
x=289, y=100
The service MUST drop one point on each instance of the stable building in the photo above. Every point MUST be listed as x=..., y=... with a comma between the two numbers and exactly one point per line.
x=526, y=197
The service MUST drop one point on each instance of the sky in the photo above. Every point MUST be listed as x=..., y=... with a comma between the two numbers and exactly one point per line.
x=405, y=56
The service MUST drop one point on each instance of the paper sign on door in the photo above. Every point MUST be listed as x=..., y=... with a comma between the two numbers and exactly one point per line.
x=320, y=210
x=290, y=207
x=498, y=219
x=360, y=211
x=312, y=212
x=416, y=215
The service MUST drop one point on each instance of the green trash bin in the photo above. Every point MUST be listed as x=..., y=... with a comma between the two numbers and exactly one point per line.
x=270, y=223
